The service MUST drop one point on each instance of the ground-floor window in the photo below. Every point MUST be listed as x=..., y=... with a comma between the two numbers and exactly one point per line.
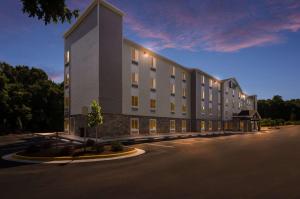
x=241, y=125
x=183, y=125
x=210, y=125
x=172, y=125
x=226, y=125
x=219, y=125
x=66, y=125
x=152, y=125
x=202, y=125
x=134, y=125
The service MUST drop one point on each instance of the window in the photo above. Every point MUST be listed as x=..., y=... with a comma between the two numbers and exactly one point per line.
x=242, y=125
x=134, y=125
x=239, y=95
x=227, y=90
x=210, y=108
x=153, y=83
x=135, y=78
x=210, y=82
x=219, y=110
x=134, y=101
x=66, y=125
x=219, y=98
x=203, y=79
x=172, y=106
x=239, y=105
x=203, y=93
x=67, y=79
x=233, y=92
x=183, y=76
x=172, y=89
x=152, y=125
x=219, y=125
x=183, y=125
x=152, y=104
x=219, y=86
x=153, y=63
x=210, y=94
x=172, y=126
x=67, y=102
x=202, y=125
x=134, y=55
x=226, y=102
x=183, y=108
x=202, y=107
x=67, y=57
x=210, y=125
x=173, y=71
x=184, y=92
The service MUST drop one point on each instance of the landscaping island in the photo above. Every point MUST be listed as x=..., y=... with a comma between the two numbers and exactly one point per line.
x=50, y=151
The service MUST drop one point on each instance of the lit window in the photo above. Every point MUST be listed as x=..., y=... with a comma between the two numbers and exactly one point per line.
x=183, y=125
x=210, y=94
x=67, y=102
x=172, y=125
x=134, y=101
x=172, y=89
x=210, y=82
x=184, y=76
x=67, y=79
x=173, y=71
x=219, y=125
x=152, y=125
x=134, y=125
x=203, y=93
x=67, y=57
x=153, y=83
x=203, y=79
x=152, y=104
x=184, y=108
x=134, y=55
x=135, y=78
x=210, y=125
x=202, y=125
x=153, y=63
x=202, y=107
x=183, y=92
x=172, y=107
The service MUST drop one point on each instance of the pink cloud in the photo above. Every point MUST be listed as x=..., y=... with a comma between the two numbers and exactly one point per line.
x=211, y=25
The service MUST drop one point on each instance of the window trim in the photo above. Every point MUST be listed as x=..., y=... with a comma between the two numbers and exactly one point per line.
x=172, y=130
x=134, y=130
x=155, y=129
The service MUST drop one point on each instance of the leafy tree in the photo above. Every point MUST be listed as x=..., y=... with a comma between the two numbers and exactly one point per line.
x=95, y=117
x=49, y=10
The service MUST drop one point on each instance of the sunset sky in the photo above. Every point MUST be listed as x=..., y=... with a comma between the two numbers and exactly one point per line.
x=256, y=41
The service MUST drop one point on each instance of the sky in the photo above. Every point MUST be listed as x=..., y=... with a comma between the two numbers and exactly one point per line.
x=255, y=41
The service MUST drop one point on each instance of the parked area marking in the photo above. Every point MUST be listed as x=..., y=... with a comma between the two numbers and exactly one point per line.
x=160, y=145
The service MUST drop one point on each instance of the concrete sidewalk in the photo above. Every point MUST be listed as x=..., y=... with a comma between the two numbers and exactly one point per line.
x=150, y=138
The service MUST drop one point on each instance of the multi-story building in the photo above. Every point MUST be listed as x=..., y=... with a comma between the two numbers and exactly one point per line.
x=140, y=91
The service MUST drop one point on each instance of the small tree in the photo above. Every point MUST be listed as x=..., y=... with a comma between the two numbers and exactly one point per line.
x=95, y=118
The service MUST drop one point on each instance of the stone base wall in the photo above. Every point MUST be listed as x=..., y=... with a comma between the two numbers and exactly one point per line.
x=115, y=125
x=119, y=125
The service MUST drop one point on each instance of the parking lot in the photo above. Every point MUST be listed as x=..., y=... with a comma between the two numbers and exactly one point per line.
x=262, y=165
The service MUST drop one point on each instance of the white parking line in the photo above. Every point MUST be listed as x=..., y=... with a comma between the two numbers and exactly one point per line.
x=160, y=145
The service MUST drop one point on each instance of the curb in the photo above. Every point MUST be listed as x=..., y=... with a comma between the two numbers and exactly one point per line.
x=69, y=159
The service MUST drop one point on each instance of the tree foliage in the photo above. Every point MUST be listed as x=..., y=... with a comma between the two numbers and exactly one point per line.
x=49, y=10
x=29, y=101
x=277, y=108
x=95, y=116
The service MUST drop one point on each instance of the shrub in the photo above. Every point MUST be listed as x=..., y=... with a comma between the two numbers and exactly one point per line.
x=99, y=148
x=66, y=151
x=46, y=145
x=90, y=143
x=116, y=146
x=33, y=148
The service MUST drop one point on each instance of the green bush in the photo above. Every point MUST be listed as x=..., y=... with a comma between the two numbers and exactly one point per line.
x=99, y=148
x=33, y=148
x=90, y=143
x=66, y=151
x=116, y=146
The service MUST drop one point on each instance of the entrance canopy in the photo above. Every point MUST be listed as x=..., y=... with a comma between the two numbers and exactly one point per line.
x=248, y=115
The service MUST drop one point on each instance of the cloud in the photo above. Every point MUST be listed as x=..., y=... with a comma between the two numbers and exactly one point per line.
x=210, y=25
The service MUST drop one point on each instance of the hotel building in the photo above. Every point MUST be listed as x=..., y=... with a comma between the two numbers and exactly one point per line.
x=140, y=91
